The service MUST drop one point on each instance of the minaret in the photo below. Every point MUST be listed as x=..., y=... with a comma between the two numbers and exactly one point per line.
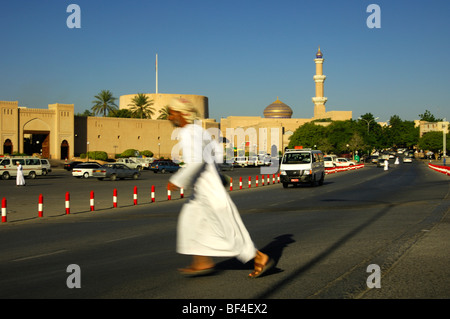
x=319, y=100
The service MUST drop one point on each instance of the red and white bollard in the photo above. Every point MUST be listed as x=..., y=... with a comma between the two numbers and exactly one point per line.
x=256, y=181
x=273, y=179
x=67, y=202
x=4, y=210
x=249, y=182
x=169, y=194
x=231, y=184
x=135, y=195
x=115, y=197
x=153, y=193
x=278, y=178
x=262, y=180
x=92, y=202
x=41, y=206
x=181, y=192
x=268, y=179
x=240, y=182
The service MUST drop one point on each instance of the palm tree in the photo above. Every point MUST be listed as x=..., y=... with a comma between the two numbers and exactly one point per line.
x=104, y=103
x=141, y=106
x=164, y=113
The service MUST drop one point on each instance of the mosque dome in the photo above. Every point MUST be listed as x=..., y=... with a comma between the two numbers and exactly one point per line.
x=319, y=54
x=277, y=110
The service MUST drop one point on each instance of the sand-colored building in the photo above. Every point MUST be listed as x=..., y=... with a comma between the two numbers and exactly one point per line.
x=277, y=125
x=31, y=130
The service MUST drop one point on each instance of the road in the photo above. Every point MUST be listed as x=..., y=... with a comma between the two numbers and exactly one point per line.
x=323, y=239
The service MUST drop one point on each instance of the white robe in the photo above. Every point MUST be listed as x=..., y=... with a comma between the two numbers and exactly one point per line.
x=20, y=179
x=209, y=224
x=386, y=165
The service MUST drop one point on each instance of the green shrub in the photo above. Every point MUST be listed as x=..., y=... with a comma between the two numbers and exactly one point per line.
x=129, y=153
x=147, y=153
x=97, y=155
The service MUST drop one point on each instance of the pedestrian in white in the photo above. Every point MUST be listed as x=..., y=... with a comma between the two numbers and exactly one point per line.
x=396, y=161
x=20, y=179
x=386, y=164
x=209, y=225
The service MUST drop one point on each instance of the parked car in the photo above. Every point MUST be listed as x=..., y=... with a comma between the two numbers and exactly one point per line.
x=46, y=167
x=31, y=166
x=164, y=166
x=242, y=161
x=131, y=163
x=116, y=170
x=343, y=162
x=71, y=165
x=330, y=160
x=86, y=169
x=407, y=159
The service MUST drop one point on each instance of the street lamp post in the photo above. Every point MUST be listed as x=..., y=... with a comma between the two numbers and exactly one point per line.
x=368, y=125
x=368, y=122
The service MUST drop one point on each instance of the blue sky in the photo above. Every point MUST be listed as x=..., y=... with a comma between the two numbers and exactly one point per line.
x=241, y=54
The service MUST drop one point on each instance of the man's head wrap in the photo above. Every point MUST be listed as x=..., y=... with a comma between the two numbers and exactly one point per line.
x=186, y=108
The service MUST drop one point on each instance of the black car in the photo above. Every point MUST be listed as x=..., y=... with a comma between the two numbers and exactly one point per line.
x=71, y=165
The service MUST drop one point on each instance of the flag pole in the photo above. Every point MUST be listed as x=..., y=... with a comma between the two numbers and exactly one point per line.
x=156, y=69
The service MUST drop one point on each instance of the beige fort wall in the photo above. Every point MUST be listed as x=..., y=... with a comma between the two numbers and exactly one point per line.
x=161, y=100
x=115, y=135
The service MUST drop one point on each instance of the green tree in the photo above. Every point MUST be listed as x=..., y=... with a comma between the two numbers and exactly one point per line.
x=141, y=106
x=104, y=103
x=428, y=117
x=164, y=113
x=433, y=141
x=307, y=136
x=122, y=113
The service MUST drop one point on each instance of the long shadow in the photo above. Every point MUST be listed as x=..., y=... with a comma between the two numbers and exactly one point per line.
x=324, y=254
x=274, y=249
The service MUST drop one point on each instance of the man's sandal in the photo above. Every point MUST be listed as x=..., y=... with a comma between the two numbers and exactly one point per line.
x=262, y=268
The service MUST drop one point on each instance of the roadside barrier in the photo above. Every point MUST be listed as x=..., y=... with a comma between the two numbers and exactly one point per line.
x=264, y=179
x=41, y=206
x=338, y=169
x=115, y=197
x=441, y=169
x=67, y=203
x=92, y=202
x=4, y=210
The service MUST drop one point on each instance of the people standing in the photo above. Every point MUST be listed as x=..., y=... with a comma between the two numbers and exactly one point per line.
x=20, y=179
x=209, y=224
x=386, y=164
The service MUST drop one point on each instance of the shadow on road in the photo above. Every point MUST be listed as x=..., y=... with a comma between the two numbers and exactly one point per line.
x=274, y=249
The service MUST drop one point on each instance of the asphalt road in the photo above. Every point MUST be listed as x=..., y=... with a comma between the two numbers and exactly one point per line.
x=323, y=239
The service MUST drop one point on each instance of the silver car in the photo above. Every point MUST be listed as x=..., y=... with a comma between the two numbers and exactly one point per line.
x=114, y=171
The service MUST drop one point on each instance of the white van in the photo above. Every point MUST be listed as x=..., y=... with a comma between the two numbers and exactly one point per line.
x=302, y=166
x=31, y=166
x=242, y=161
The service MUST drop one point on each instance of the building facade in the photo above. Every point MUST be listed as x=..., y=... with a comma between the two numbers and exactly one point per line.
x=37, y=131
